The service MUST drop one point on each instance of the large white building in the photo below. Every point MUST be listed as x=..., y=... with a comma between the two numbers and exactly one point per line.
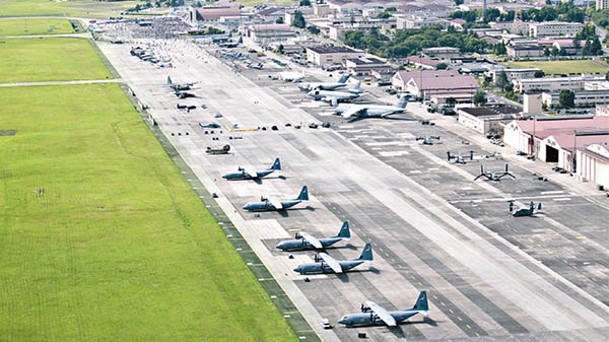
x=593, y=164
x=554, y=83
x=584, y=98
x=602, y=4
x=323, y=55
x=554, y=29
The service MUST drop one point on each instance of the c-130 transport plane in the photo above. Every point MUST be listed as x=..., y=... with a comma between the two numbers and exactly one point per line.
x=373, y=314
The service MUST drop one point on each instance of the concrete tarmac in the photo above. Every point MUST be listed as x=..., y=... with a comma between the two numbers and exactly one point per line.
x=488, y=274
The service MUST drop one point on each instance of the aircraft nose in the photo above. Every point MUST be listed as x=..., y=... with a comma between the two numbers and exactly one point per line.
x=297, y=269
x=343, y=320
x=246, y=207
x=279, y=245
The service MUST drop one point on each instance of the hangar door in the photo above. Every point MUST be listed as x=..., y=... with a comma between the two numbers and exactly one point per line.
x=551, y=154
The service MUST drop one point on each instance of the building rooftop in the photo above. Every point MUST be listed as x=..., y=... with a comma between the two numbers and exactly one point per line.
x=545, y=127
x=490, y=111
x=270, y=27
x=331, y=49
x=214, y=13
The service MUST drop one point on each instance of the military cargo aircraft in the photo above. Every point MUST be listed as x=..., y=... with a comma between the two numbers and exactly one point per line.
x=356, y=112
x=326, y=264
x=248, y=173
x=334, y=97
x=179, y=86
x=267, y=204
x=303, y=241
x=289, y=76
x=493, y=175
x=342, y=81
x=373, y=314
x=218, y=150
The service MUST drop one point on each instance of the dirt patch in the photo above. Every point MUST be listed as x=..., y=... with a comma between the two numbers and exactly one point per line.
x=7, y=132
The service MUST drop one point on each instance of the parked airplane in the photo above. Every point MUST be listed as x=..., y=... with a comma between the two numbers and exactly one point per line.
x=530, y=211
x=334, y=97
x=267, y=204
x=358, y=112
x=342, y=81
x=289, y=76
x=492, y=175
x=460, y=159
x=179, y=86
x=218, y=150
x=248, y=173
x=427, y=140
x=304, y=241
x=326, y=264
x=373, y=314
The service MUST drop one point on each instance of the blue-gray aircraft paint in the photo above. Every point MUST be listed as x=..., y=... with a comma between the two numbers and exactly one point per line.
x=322, y=267
x=367, y=317
x=241, y=175
x=302, y=244
x=265, y=204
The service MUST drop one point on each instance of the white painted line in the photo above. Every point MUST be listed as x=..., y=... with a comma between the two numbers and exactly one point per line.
x=552, y=192
x=562, y=199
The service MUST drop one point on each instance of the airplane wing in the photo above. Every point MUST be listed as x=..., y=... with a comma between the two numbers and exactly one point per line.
x=382, y=313
x=353, y=111
x=312, y=240
x=275, y=203
x=334, y=265
x=250, y=172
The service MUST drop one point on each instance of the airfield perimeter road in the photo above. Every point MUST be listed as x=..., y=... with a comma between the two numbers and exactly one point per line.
x=488, y=275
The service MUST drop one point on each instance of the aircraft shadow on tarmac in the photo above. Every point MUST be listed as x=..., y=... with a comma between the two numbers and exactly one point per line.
x=285, y=213
x=397, y=331
x=344, y=277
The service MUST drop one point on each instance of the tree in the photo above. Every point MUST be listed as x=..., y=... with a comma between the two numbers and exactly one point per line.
x=279, y=20
x=500, y=49
x=539, y=74
x=480, y=98
x=546, y=52
x=607, y=76
x=313, y=29
x=441, y=66
x=383, y=15
x=566, y=99
x=305, y=3
x=459, y=2
x=299, y=20
x=450, y=102
x=502, y=80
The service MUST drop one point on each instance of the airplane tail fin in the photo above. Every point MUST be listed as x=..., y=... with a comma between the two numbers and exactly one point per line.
x=344, y=232
x=334, y=102
x=276, y=165
x=304, y=194
x=471, y=155
x=169, y=81
x=449, y=155
x=421, y=303
x=366, y=253
x=402, y=101
x=344, y=78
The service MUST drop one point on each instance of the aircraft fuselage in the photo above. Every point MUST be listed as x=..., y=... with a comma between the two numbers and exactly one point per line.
x=302, y=244
x=369, y=318
x=322, y=267
x=243, y=175
x=267, y=206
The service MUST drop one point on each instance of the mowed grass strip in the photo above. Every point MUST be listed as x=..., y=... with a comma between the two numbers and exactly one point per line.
x=49, y=59
x=563, y=67
x=74, y=8
x=101, y=236
x=32, y=26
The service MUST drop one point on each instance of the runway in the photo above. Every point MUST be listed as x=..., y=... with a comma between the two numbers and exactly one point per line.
x=488, y=274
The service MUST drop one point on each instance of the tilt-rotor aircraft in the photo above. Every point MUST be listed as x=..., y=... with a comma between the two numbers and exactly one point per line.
x=244, y=173
x=374, y=314
x=268, y=204
x=494, y=175
x=327, y=264
x=342, y=81
x=460, y=159
x=356, y=112
x=305, y=241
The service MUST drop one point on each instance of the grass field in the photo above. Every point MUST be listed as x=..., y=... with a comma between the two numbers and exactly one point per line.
x=49, y=59
x=101, y=236
x=73, y=8
x=563, y=67
x=24, y=26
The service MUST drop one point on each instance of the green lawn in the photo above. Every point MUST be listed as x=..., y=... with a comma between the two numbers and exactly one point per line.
x=74, y=8
x=49, y=59
x=25, y=26
x=563, y=67
x=101, y=236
